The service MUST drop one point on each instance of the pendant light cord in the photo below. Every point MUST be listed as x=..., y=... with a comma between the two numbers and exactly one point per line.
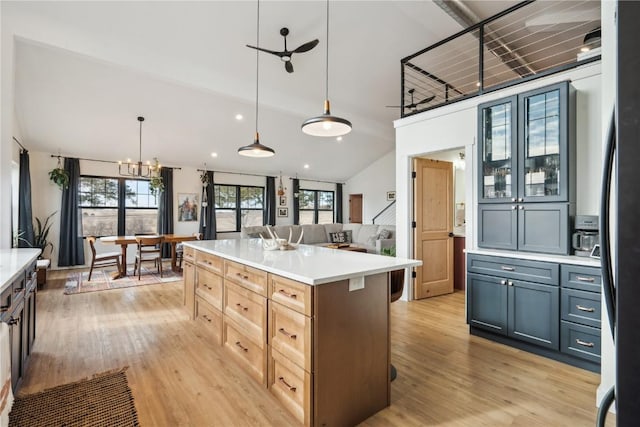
x=257, y=60
x=326, y=82
x=140, y=146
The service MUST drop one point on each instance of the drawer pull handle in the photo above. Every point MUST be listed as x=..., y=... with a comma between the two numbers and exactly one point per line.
x=13, y=321
x=587, y=309
x=281, y=379
x=245, y=349
x=240, y=307
x=585, y=279
x=242, y=276
x=208, y=287
x=287, y=334
x=205, y=317
x=287, y=294
x=4, y=308
x=505, y=268
x=584, y=343
x=17, y=290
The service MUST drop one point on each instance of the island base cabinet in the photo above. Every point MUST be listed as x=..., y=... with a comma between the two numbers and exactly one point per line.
x=291, y=385
x=189, y=297
x=209, y=319
x=250, y=355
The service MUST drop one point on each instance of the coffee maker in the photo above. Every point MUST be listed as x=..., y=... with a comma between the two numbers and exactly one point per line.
x=586, y=234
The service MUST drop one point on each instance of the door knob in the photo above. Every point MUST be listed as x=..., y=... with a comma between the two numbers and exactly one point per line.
x=450, y=234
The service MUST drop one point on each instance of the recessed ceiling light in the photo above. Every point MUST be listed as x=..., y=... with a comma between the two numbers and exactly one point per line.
x=306, y=166
x=239, y=117
x=339, y=139
x=214, y=154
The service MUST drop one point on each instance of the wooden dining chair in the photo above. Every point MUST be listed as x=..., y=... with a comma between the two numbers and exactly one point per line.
x=180, y=250
x=103, y=259
x=149, y=249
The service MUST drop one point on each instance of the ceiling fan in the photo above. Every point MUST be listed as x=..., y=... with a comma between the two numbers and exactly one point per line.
x=413, y=103
x=285, y=55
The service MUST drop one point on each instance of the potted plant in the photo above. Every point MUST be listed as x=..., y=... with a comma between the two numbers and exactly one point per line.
x=59, y=176
x=156, y=185
x=41, y=234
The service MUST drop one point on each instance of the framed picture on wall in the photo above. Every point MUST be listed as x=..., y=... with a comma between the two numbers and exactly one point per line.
x=391, y=195
x=187, y=207
x=282, y=201
x=283, y=212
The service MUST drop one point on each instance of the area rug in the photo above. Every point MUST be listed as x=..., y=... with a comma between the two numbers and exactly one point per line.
x=77, y=282
x=104, y=400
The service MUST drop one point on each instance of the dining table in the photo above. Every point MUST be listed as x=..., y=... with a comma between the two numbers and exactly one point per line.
x=125, y=241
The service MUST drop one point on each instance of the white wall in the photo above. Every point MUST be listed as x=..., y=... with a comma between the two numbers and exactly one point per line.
x=373, y=183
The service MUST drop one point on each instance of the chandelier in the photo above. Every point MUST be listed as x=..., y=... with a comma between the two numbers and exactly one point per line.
x=139, y=169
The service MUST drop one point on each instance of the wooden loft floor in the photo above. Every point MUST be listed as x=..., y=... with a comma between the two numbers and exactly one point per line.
x=446, y=377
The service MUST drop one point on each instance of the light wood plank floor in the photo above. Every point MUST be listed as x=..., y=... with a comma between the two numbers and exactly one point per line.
x=446, y=377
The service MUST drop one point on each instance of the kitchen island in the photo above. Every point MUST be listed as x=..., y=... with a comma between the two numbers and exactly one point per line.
x=310, y=324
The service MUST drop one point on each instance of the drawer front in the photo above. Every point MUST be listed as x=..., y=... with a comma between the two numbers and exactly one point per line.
x=209, y=286
x=295, y=295
x=291, y=385
x=581, y=307
x=251, y=278
x=209, y=319
x=583, y=278
x=247, y=309
x=6, y=298
x=290, y=334
x=532, y=271
x=580, y=341
x=189, y=253
x=209, y=262
x=249, y=355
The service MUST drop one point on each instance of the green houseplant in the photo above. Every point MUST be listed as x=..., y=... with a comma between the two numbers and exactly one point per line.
x=41, y=231
x=59, y=176
x=156, y=185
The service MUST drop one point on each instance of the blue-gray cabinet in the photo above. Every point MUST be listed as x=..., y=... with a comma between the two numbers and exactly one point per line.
x=526, y=170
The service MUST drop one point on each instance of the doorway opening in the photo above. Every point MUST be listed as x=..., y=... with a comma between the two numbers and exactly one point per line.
x=355, y=208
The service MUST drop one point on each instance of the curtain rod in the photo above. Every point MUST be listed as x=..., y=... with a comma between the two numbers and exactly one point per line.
x=18, y=142
x=103, y=161
x=232, y=173
x=317, y=180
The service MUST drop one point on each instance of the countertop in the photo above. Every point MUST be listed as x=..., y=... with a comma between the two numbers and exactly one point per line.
x=12, y=262
x=562, y=259
x=313, y=265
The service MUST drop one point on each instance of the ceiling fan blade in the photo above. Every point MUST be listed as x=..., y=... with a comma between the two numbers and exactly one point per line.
x=273, y=52
x=424, y=101
x=288, y=66
x=306, y=47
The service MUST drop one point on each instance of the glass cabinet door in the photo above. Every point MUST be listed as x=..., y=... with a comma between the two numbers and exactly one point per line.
x=497, y=140
x=543, y=124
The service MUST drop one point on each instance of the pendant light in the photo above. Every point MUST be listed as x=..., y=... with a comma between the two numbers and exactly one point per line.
x=326, y=124
x=256, y=149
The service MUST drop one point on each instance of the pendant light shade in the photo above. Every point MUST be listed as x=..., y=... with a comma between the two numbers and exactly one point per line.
x=256, y=149
x=326, y=125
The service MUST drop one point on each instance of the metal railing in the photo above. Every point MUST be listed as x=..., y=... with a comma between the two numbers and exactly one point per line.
x=527, y=41
x=387, y=215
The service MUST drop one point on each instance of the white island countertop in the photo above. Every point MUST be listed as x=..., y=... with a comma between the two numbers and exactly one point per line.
x=313, y=265
x=12, y=262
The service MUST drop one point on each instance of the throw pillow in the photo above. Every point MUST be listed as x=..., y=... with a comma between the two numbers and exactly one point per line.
x=341, y=237
x=254, y=235
x=384, y=234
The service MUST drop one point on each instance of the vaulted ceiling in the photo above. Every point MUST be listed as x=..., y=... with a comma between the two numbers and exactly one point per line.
x=85, y=70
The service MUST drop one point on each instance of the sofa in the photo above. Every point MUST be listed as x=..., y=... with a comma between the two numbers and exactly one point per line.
x=373, y=237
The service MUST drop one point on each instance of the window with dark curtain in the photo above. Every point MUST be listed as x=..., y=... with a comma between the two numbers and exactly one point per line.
x=71, y=248
x=270, y=205
x=25, y=216
x=208, y=214
x=165, y=208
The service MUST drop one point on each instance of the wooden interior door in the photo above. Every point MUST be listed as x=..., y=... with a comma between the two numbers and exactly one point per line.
x=433, y=237
x=355, y=208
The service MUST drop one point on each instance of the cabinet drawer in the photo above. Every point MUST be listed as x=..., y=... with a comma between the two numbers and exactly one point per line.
x=251, y=278
x=6, y=298
x=291, y=385
x=583, y=278
x=189, y=253
x=580, y=341
x=209, y=286
x=209, y=262
x=209, y=319
x=532, y=271
x=290, y=334
x=581, y=307
x=295, y=295
x=249, y=355
x=248, y=310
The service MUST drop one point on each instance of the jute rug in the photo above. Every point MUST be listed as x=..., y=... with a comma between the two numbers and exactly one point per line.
x=104, y=400
x=103, y=279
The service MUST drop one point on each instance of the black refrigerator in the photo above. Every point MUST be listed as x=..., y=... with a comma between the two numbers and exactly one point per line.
x=623, y=292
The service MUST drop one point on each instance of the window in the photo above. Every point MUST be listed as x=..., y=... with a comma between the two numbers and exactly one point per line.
x=116, y=206
x=237, y=206
x=316, y=207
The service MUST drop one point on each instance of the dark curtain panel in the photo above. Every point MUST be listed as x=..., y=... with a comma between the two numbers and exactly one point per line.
x=270, y=206
x=338, y=203
x=165, y=208
x=71, y=246
x=25, y=217
x=296, y=201
x=208, y=213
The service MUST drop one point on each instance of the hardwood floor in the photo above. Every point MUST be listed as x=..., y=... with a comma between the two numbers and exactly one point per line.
x=445, y=376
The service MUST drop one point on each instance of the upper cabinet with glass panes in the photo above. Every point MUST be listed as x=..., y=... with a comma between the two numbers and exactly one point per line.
x=537, y=127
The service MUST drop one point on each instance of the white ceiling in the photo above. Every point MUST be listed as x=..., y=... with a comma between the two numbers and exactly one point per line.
x=85, y=70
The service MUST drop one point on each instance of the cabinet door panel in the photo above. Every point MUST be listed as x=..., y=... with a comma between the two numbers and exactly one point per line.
x=487, y=303
x=498, y=226
x=534, y=314
x=544, y=227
